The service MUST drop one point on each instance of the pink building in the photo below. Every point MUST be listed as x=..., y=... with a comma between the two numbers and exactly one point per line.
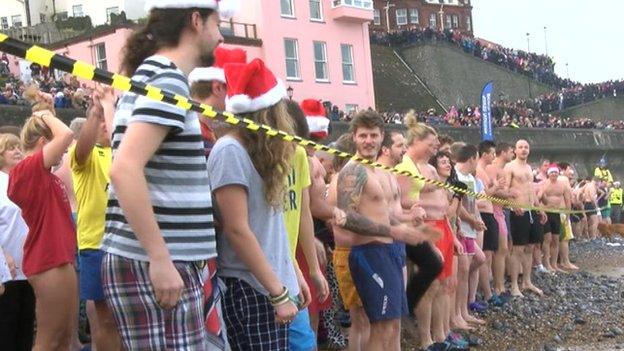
x=320, y=48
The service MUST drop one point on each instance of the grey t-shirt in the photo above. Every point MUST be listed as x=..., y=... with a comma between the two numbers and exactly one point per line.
x=230, y=164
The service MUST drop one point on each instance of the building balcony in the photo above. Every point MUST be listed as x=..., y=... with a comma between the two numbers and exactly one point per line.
x=240, y=33
x=359, y=11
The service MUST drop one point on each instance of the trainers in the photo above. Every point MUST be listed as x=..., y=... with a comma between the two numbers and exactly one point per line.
x=541, y=269
x=457, y=340
x=495, y=300
x=477, y=307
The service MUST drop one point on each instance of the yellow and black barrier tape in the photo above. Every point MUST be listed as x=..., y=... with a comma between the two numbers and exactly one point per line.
x=89, y=72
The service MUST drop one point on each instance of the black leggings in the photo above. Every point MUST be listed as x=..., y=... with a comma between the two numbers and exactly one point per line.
x=429, y=267
x=17, y=316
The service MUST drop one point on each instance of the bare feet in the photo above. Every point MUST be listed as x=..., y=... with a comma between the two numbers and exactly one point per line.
x=460, y=323
x=570, y=267
x=516, y=292
x=473, y=320
x=533, y=288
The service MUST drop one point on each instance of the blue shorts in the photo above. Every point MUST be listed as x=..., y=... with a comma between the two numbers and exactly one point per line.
x=90, y=275
x=377, y=271
x=300, y=334
x=400, y=246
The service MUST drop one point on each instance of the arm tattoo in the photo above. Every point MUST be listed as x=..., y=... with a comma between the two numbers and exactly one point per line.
x=351, y=182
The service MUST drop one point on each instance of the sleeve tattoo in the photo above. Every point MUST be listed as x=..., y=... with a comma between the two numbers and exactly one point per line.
x=351, y=182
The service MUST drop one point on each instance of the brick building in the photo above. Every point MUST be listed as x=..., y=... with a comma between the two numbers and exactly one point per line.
x=440, y=14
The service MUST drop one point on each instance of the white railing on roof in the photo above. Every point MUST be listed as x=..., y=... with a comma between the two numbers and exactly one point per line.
x=361, y=4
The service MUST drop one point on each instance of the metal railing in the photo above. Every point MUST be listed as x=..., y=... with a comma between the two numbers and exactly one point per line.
x=237, y=29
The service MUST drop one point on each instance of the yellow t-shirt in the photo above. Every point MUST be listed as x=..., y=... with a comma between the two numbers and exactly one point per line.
x=91, y=187
x=410, y=166
x=298, y=179
x=603, y=174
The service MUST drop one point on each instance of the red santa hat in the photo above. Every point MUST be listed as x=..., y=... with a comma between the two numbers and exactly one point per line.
x=222, y=57
x=251, y=87
x=226, y=8
x=318, y=123
x=553, y=168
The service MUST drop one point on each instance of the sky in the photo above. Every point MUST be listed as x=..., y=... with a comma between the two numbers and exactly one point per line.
x=586, y=34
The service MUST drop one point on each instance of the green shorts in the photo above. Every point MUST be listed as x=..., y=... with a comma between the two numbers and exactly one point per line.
x=606, y=212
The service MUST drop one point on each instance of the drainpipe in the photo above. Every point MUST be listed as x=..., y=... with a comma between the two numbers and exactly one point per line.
x=27, y=8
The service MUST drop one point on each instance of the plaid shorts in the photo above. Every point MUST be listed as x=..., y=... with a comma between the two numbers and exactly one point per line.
x=250, y=319
x=142, y=323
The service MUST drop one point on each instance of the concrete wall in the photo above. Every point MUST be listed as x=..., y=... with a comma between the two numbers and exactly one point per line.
x=579, y=147
x=611, y=108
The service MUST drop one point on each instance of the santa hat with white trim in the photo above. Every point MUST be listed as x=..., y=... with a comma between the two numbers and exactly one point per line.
x=251, y=87
x=553, y=168
x=318, y=123
x=226, y=8
x=222, y=57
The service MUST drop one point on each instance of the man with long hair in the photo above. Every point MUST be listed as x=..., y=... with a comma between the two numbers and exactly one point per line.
x=159, y=229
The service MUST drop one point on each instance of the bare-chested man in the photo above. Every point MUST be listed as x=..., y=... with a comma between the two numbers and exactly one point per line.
x=488, y=239
x=553, y=193
x=496, y=173
x=526, y=231
x=589, y=195
x=567, y=174
x=374, y=259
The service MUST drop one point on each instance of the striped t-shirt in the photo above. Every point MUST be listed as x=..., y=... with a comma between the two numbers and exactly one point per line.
x=176, y=174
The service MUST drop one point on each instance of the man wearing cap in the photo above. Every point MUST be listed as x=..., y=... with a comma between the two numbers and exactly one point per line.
x=160, y=230
x=553, y=193
x=208, y=87
x=616, y=202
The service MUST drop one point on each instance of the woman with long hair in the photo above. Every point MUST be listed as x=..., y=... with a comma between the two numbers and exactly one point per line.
x=17, y=305
x=50, y=246
x=247, y=172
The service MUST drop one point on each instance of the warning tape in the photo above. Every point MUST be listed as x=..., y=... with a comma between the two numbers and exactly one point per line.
x=86, y=71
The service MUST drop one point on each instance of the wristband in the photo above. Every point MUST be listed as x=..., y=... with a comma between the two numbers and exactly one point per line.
x=275, y=299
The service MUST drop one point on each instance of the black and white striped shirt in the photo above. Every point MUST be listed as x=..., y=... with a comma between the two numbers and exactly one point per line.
x=176, y=174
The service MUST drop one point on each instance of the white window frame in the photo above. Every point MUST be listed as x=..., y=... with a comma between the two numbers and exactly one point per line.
x=468, y=23
x=403, y=16
x=292, y=9
x=433, y=21
x=100, y=62
x=323, y=61
x=62, y=16
x=4, y=22
x=351, y=108
x=294, y=59
x=110, y=11
x=455, y=20
x=19, y=20
x=346, y=63
x=361, y=4
x=320, y=7
x=448, y=22
x=377, y=17
x=79, y=13
x=411, y=16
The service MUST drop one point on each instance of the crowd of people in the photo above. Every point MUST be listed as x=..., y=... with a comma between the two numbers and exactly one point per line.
x=194, y=234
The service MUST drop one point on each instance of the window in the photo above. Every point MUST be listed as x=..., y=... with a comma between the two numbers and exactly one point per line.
x=316, y=10
x=348, y=74
x=413, y=13
x=468, y=24
x=320, y=61
x=447, y=22
x=433, y=21
x=364, y=4
x=62, y=16
x=401, y=17
x=455, y=21
x=42, y=17
x=292, y=59
x=287, y=8
x=16, y=21
x=110, y=11
x=77, y=11
x=4, y=22
x=100, y=56
x=377, y=17
x=351, y=108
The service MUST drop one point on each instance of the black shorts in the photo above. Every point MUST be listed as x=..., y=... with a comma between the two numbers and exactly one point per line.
x=526, y=229
x=590, y=207
x=553, y=223
x=490, y=236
